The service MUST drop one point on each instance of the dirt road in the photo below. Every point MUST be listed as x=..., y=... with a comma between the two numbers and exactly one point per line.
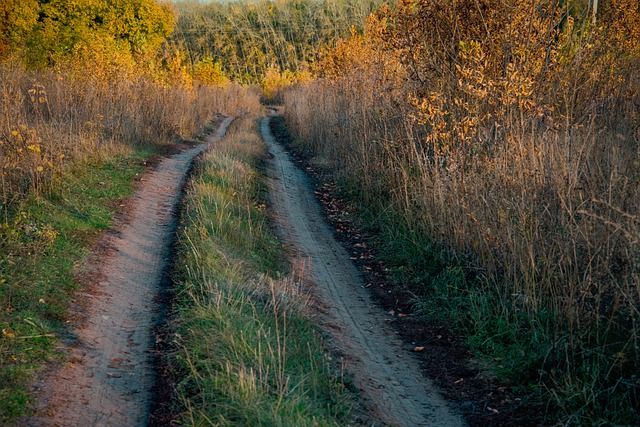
x=393, y=389
x=109, y=377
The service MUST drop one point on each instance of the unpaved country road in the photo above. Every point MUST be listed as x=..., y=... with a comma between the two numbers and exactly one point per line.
x=394, y=390
x=109, y=377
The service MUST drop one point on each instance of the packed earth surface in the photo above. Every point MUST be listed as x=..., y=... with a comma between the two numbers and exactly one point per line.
x=389, y=377
x=108, y=377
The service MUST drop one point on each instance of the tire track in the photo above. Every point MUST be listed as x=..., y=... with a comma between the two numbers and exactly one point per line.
x=388, y=375
x=108, y=378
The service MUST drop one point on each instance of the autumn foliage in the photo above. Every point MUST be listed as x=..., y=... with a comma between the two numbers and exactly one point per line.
x=253, y=40
x=500, y=141
x=77, y=75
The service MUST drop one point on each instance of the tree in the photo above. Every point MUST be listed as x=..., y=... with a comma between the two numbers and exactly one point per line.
x=248, y=39
x=17, y=18
x=50, y=31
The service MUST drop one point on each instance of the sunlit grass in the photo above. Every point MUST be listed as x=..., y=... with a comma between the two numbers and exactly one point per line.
x=43, y=249
x=70, y=148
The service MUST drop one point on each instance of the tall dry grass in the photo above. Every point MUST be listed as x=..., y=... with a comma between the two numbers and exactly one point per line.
x=50, y=119
x=511, y=184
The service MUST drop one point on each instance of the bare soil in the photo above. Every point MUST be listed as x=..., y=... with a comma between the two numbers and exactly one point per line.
x=385, y=369
x=109, y=375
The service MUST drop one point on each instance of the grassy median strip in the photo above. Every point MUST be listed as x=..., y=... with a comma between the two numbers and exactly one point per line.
x=248, y=352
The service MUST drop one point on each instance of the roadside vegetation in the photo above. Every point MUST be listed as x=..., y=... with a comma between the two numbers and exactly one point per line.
x=247, y=351
x=77, y=126
x=494, y=148
x=92, y=93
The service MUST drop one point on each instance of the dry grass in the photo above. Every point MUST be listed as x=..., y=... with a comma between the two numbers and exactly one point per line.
x=71, y=146
x=51, y=119
x=539, y=203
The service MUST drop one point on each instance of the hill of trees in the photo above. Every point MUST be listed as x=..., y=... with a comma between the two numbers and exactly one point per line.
x=248, y=38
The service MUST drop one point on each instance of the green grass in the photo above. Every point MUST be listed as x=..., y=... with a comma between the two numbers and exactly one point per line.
x=248, y=352
x=44, y=243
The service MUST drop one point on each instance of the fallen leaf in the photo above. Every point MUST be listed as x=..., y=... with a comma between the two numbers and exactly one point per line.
x=418, y=348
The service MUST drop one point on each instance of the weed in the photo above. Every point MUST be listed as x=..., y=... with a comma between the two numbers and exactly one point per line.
x=70, y=148
x=496, y=150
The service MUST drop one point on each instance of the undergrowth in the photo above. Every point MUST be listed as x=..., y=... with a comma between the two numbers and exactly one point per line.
x=44, y=245
x=495, y=146
x=247, y=350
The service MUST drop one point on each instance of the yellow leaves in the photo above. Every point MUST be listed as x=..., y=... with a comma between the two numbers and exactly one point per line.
x=37, y=94
x=113, y=29
x=24, y=157
x=275, y=80
x=7, y=333
x=209, y=72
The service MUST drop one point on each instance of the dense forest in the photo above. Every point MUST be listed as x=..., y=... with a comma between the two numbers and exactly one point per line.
x=491, y=146
x=248, y=39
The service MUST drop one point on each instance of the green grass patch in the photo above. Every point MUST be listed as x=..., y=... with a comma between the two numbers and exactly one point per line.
x=248, y=352
x=44, y=241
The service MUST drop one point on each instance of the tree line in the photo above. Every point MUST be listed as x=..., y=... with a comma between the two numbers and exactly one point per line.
x=249, y=38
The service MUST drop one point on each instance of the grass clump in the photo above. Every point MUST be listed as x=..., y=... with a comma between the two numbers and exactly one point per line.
x=248, y=352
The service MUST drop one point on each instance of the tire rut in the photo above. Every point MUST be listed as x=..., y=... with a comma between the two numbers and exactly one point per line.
x=393, y=387
x=109, y=375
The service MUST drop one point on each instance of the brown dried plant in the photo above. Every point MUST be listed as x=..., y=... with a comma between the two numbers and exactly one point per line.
x=506, y=134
